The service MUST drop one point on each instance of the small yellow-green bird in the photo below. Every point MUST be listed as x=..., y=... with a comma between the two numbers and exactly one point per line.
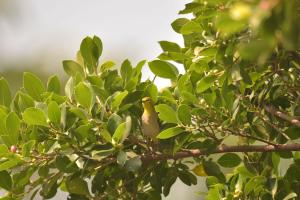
x=150, y=125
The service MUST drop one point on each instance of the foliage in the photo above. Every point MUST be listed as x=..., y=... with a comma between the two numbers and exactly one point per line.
x=240, y=85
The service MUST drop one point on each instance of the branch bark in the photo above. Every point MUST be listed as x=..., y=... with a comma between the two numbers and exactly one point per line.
x=283, y=116
x=222, y=149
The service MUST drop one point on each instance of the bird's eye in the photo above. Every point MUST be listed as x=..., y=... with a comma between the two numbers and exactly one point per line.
x=146, y=100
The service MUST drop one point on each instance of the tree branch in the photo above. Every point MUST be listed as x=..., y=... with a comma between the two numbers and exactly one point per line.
x=222, y=149
x=282, y=115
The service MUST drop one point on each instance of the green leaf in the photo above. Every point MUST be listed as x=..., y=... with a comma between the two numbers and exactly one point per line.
x=210, y=98
x=213, y=194
x=9, y=164
x=166, y=113
x=212, y=169
x=187, y=178
x=133, y=164
x=152, y=92
x=5, y=95
x=113, y=122
x=84, y=131
x=90, y=53
x=77, y=186
x=72, y=68
x=64, y=164
x=69, y=88
x=179, y=23
x=169, y=46
x=128, y=124
x=118, y=134
x=190, y=27
x=205, y=83
x=3, y=116
x=4, y=150
x=99, y=45
x=121, y=158
x=53, y=84
x=106, y=136
x=107, y=65
x=227, y=26
x=13, y=126
x=84, y=95
x=184, y=114
x=293, y=173
x=254, y=183
x=133, y=97
x=49, y=188
x=229, y=160
x=244, y=172
x=126, y=71
x=168, y=184
x=25, y=101
x=138, y=69
x=54, y=114
x=5, y=180
x=35, y=116
x=246, y=77
x=163, y=69
x=293, y=132
x=170, y=132
x=27, y=147
x=81, y=113
x=193, y=7
x=33, y=85
x=118, y=98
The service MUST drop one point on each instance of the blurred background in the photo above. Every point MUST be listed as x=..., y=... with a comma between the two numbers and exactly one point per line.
x=37, y=35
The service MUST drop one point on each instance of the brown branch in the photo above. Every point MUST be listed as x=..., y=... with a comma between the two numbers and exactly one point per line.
x=283, y=116
x=222, y=149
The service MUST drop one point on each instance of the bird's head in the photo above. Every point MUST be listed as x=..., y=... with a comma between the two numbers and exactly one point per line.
x=147, y=103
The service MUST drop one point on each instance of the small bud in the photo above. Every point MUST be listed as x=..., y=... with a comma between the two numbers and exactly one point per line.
x=13, y=149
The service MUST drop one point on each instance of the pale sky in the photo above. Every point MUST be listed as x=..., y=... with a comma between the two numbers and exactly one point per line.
x=43, y=33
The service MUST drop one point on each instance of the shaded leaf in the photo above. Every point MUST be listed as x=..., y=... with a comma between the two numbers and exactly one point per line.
x=229, y=160
x=77, y=186
x=133, y=164
x=5, y=180
x=121, y=158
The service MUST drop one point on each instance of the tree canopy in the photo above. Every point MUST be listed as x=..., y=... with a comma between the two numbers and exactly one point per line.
x=238, y=98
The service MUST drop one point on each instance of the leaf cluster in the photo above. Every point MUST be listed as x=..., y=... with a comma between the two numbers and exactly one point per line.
x=241, y=59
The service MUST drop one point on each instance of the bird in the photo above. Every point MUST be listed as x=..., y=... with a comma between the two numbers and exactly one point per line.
x=150, y=123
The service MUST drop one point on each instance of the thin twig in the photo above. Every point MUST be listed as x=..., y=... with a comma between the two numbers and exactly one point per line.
x=283, y=116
